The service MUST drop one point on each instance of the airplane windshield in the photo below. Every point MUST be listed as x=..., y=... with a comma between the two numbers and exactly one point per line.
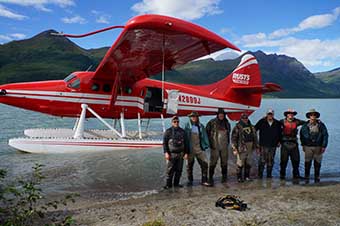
x=69, y=77
x=75, y=84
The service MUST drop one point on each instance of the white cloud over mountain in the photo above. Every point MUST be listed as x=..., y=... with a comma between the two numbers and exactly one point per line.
x=184, y=9
x=4, y=12
x=311, y=52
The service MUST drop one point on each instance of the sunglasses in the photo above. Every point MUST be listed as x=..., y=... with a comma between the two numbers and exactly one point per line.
x=175, y=121
x=313, y=114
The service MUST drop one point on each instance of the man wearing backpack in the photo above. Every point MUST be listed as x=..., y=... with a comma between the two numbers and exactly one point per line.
x=175, y=149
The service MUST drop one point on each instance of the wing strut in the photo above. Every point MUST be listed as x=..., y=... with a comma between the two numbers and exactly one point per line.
x=163, y=66
x=86, y=34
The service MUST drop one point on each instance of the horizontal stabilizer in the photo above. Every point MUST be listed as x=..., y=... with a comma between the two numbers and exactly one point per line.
x=266, y=88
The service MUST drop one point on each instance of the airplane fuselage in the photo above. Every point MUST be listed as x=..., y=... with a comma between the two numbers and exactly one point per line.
x=64, y=97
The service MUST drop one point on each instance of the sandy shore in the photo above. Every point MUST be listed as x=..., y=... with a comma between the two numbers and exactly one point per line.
x=270, y=203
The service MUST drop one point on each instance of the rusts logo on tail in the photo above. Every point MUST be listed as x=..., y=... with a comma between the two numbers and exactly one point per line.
x=241, y=78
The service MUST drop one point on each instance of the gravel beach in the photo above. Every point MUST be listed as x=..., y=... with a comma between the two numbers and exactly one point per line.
x=270, y=202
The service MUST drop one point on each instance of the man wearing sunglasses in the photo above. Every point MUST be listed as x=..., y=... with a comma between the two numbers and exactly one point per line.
x=314, y=140
x=175, y=149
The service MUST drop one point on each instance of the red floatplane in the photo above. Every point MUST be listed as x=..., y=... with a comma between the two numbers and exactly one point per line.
x=120, y=88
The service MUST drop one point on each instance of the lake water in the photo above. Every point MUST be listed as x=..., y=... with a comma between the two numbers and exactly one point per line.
x=137, y=172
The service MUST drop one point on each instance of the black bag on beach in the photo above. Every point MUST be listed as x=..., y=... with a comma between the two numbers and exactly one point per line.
x=231, y=202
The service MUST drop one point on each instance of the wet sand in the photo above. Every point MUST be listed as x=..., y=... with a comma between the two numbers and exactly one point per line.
x=270, y=202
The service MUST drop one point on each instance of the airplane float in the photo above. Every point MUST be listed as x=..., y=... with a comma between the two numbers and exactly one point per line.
x=120, y=88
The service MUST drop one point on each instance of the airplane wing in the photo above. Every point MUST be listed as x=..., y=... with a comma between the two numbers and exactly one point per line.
x=148, y=42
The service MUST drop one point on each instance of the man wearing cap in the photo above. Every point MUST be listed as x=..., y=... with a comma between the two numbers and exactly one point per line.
x=314, y=140
x=175, y=148
x=289, y=145
x=270, y=135
x=243, y=142
x=197, y=143
x=218, y=130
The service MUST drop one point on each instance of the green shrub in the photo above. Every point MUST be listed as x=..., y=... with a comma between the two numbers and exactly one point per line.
x=23, y=203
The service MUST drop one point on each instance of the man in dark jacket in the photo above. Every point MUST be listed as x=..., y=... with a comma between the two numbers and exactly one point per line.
x=270, y=134
x=243, y=142
x=218, y=130
x=198, y=143
x=175, y=149
x=289, y=144
x=314, y=140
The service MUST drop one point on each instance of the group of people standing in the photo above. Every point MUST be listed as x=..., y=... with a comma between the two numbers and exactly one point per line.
x=264, y=137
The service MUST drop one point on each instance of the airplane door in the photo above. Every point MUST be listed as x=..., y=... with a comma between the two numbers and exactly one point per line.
x=172, y=107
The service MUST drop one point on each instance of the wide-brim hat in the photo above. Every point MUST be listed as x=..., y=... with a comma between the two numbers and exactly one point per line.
x=220, y=111
x=290, y=111
x=312, y=111
x=193, y=114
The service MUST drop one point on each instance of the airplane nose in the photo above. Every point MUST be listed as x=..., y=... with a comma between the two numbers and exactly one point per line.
x=3, y=92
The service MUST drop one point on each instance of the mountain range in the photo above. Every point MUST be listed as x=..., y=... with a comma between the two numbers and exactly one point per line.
x=47, y=57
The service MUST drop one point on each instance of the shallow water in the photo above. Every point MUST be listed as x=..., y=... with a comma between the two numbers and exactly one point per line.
x=134, y=173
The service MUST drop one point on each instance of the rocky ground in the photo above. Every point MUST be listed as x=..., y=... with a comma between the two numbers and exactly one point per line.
x=270, y=203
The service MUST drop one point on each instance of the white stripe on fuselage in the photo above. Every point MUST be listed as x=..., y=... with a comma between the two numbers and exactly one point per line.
x=206, y=103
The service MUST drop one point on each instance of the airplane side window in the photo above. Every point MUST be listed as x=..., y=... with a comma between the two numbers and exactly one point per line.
x=106, y=88
x=95, y=87
x=75, y=84
x=69, y=77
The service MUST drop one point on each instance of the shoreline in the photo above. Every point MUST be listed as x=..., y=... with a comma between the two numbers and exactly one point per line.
x=270, y=202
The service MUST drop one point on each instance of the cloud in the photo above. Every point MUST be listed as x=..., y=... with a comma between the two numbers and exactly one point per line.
x=4, y=12
x=312, y=22
x=185, y=9
x=18, y=36
x=74, y=20
x=311, y=52
x=5, y=38
x=101, y=17
x=41, y=4
x=15, y=36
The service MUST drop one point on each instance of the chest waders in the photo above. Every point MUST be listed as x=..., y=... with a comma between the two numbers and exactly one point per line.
x=198, y=153
x=220, y=151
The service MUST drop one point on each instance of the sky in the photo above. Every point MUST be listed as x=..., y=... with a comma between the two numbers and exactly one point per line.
x=307, y=30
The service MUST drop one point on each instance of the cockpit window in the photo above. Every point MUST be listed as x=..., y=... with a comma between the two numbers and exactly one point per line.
x=75, y=84
x=69, y=77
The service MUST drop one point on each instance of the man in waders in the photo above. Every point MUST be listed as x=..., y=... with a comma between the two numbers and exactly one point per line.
x=289, y=145
x=269, y=135
x=314, y=140
x=218, y=130
x=243, y=142
x=175, y=149
x=198, y=143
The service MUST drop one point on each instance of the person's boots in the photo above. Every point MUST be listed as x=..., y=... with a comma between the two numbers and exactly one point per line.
x=224, y=174
x=204, y=170
x=168, y=183
x=308, y=165
x=317, y=167
x=247, y=172
x=239, y=174
x=190, y=175
x=176, y=181
x=269, y=171
x=211, y=175
x=260, y=171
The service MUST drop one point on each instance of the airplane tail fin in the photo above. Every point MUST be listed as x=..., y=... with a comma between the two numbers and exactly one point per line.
x=244, y=85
